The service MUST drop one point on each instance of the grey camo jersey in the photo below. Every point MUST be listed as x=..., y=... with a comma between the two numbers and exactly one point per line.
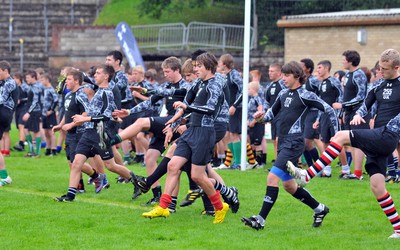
x=6, y=90
x=223, y=113
x=50, y=100
x=394, y=124
x=292, y=106
x=102, y=104
x=35, y=96
x=254, y=102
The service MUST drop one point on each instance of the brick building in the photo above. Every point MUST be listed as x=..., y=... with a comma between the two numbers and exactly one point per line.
x=327, y=35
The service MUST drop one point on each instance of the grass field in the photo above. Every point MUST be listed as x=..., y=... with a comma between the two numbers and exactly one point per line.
x=111, y=220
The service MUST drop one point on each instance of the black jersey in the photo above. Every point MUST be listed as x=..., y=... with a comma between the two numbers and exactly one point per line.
x=273, y=90
x=75, y=103
x=387, y=96
x=330, y=90
x=293, y=105
x=23, y=94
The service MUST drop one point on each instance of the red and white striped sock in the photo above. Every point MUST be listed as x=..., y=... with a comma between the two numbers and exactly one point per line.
x=389, y=209
x=330, y=153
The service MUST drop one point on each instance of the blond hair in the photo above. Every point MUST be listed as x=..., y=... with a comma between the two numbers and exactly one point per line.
x=187, y=67
x=391, y=55
x=254, y=85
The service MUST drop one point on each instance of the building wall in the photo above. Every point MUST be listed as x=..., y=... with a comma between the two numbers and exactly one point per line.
x=322, y=43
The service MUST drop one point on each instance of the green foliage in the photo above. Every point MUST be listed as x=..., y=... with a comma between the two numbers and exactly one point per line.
x=111, y=220
x=132, y=12
x=155, y=8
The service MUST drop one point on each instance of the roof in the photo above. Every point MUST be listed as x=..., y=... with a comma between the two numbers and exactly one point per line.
x=343, y=18
x=349, y=14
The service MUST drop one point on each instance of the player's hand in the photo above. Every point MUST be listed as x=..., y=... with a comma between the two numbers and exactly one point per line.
x=337, y=105
x=55, y=128
x=67, y=127
x=26, y=117
x=80, y=119
x=136, y=89
x=168, y=135
x=120, y=113
x=181, y=129
x=181, y=105
x=232, y=110
x=357, y=120
x=258, y=115
x=315, y=125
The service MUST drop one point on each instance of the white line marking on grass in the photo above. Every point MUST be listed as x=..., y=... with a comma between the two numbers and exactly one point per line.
x=77, y=200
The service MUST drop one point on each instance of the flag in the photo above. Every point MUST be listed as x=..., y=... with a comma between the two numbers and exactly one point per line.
x=128, y=43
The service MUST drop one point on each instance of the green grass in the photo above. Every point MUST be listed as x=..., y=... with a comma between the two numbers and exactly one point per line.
x=127, y=10
x=111, y=220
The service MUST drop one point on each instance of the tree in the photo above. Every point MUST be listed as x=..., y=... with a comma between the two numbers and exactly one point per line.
x=155, y=8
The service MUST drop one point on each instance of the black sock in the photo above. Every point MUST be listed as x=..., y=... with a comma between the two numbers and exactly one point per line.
x=172, y=205
x=207, y=203
x=269, y=200
x=159, y=172
x=305, y=197
x=156, y=192
x=71, y=192
x=94, y=175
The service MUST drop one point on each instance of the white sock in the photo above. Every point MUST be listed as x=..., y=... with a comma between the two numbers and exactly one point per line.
x=346, y=169
x=328, y=170
x=320, y=208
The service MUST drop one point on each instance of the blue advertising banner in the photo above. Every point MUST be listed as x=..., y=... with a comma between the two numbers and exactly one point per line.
x=128, y=43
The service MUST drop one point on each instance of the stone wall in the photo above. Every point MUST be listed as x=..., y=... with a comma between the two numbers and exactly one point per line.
x=320, y=43
x=28, y=25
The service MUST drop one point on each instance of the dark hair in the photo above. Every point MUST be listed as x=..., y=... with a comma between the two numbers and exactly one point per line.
x=326, y=63
x=195, y=54
x=32, y=73
x=308, y=63
x=108, y=69
x=47, y=76
x=341, y=73
x=296, y=70
x=209, y=61
x=91, y=71
x=353, y=57
x=117, y=55
x=76, y=75
x=4, y=65
x=19, y=76
x=367, y=73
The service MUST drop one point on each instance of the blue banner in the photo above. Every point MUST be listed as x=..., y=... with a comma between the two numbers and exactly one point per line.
x=128, y=43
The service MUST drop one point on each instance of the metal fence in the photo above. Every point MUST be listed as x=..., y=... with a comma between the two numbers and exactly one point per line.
x=195, y=35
